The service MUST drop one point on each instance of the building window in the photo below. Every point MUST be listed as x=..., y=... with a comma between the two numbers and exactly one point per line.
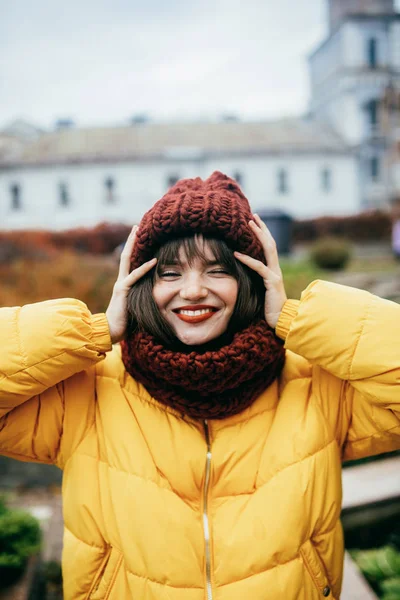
x=372, y=111
x=283, y=187
x=326, y=180
x=172, y=180
x=238, y=177
x=64, y=194
x=375, y=168
x=109, y=184
x=15, y=191
x=372, y=53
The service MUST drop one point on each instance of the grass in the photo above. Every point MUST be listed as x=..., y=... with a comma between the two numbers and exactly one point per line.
x=379, y=264
x=298, y=275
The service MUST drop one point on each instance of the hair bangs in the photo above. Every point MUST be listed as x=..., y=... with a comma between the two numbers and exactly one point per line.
x=196, y=247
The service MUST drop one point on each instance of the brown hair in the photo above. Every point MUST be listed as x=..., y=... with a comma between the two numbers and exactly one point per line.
x=144, y=314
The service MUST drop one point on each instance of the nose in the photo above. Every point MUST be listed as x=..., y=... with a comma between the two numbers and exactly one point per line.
x=193, y=288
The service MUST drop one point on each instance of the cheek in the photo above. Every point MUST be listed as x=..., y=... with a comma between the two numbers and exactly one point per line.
x=158, y=295
x=230, y=294
x=162, y=294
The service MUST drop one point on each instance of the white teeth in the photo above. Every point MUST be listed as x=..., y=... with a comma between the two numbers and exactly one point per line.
x=195, y=313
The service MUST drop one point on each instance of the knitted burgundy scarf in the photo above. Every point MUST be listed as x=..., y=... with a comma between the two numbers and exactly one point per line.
x=210, y=385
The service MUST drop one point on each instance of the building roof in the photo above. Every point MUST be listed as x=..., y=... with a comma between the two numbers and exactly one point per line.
x=10, y=147
x=23, y=130
x=176, y=141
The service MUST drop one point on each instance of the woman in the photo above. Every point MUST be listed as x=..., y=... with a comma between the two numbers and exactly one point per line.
x=201, y=458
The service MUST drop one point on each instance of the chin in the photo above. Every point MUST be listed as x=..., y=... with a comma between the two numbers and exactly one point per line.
x=200, y=337
x=196, y=340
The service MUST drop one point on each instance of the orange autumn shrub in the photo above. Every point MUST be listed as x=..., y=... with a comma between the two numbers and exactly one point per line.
x=102, y=239
x=64, y=274
x=39, y=265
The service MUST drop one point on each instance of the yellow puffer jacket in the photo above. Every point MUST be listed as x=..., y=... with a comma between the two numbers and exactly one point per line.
x=160, y=508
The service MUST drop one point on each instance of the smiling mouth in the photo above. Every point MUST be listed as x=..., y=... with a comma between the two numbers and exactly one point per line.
x=197, y=315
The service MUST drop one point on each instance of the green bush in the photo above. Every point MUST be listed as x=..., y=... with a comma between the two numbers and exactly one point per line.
x=331, y=253
x=378, y=563
x=20, y=537
x=381, y=566
x=391, y=589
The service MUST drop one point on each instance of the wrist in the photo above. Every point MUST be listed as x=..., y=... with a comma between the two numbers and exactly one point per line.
x=288, y=313
x=115, y=337
x=112, y=330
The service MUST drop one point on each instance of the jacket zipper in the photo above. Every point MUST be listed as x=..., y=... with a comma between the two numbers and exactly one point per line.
x=206, y=524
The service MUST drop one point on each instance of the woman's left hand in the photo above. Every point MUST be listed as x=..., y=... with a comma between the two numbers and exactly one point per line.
x=275, y=296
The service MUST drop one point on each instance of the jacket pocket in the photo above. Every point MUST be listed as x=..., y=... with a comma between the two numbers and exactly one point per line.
x=316, y=569
x=105, y=577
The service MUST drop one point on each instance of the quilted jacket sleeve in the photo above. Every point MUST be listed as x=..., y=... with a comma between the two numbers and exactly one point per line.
x=354, y=336
x=46, y=362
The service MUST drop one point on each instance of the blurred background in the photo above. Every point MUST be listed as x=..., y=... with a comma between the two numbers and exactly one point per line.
x=105, y=105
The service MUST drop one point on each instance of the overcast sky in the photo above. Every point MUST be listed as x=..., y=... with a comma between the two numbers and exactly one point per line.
x=103, y=61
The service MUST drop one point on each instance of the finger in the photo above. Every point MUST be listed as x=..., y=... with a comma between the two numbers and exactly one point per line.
x=267, y=241
x=126, y=254
x=253, y=263
x=264, y=228
x=138, y=273
x=270, y=277
x=261, y=223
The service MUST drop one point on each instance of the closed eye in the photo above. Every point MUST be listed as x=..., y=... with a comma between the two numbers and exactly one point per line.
x=219, y=272
x=169, y=274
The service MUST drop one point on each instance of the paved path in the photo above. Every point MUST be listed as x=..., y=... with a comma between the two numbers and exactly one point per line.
x=372, y=482
x=355, y=586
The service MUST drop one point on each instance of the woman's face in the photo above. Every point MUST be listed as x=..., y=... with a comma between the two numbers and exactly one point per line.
x=197, y=300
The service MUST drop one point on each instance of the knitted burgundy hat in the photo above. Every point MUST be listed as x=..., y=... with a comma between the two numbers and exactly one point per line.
x=216, y=207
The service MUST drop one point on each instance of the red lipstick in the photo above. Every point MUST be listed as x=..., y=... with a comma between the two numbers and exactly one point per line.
x=207, y=312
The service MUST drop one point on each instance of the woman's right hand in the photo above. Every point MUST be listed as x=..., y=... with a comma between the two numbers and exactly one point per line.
x=117, y=311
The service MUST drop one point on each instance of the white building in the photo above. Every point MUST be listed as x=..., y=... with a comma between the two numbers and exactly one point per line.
x=351, y=72
x=332, y=162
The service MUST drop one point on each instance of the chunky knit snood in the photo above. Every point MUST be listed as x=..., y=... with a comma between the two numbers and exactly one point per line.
x=210, y=385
